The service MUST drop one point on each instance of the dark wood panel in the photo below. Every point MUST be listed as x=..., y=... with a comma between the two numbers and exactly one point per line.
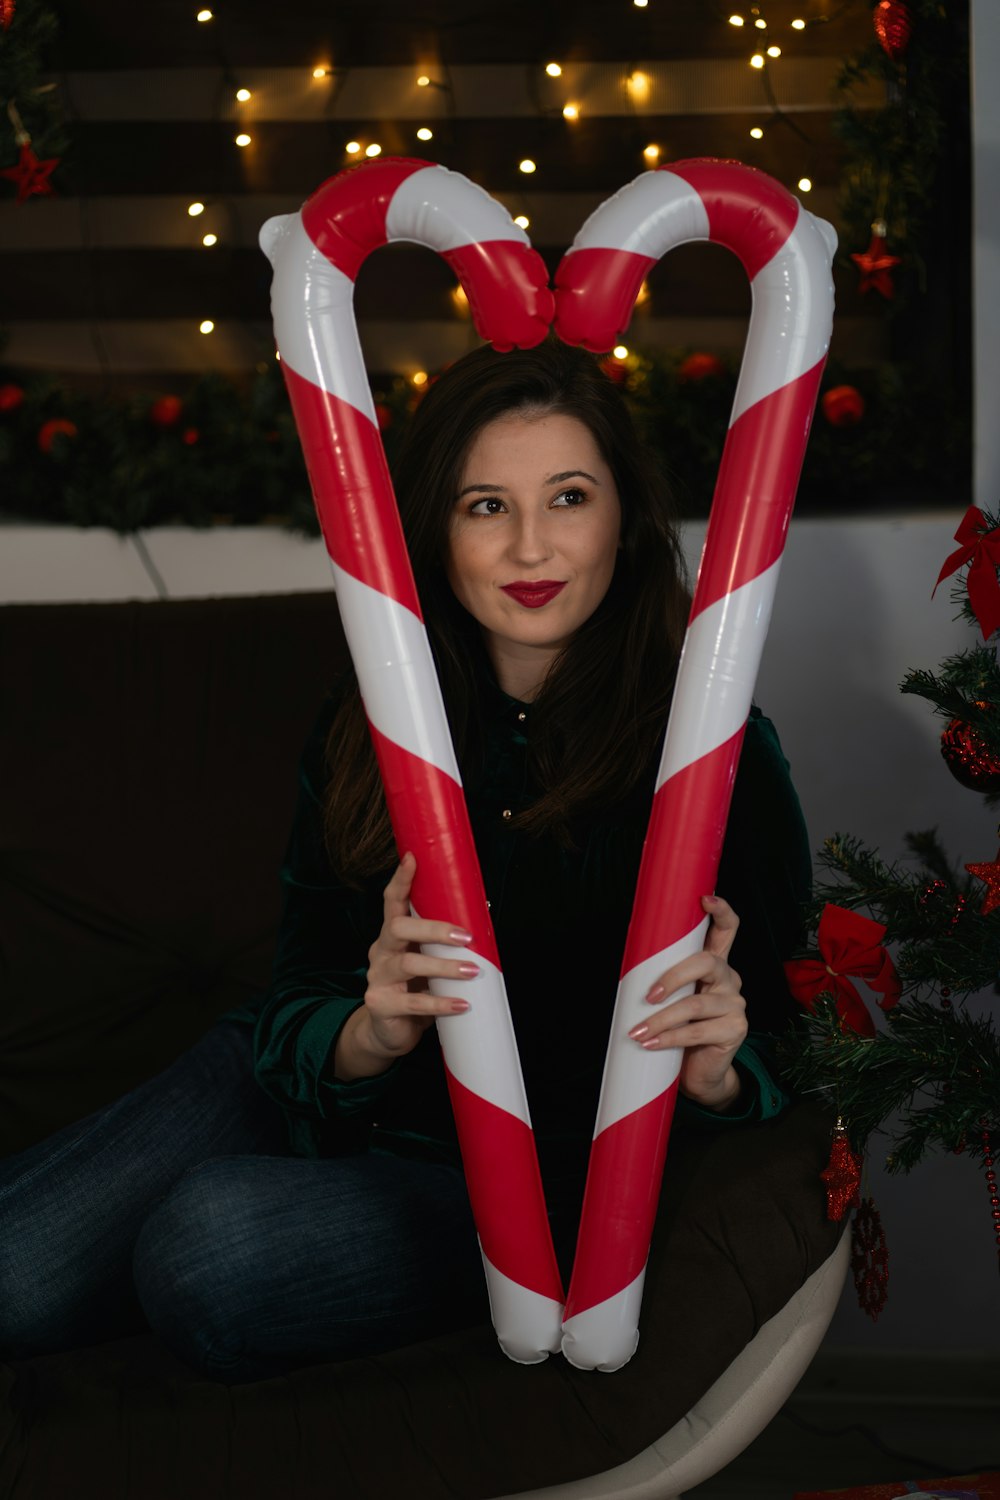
x=596, y=155
x=105, y=34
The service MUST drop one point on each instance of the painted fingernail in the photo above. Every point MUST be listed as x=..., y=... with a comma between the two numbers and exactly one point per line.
x=638, y=1032
x=468, y=971
x=458, y=936
x=458, y=1007
x=656, y=993
x=654, y=1041
x=711, y=900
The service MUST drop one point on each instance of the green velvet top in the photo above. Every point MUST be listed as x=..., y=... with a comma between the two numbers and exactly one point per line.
x=560, y=917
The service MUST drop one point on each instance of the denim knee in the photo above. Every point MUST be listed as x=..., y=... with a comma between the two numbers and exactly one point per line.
x=193, y=1265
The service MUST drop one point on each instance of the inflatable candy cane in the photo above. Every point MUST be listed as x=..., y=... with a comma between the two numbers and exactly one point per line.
x=316, y=256
x=787, y=255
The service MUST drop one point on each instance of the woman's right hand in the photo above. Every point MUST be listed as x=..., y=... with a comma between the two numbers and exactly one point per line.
x=398, y=1006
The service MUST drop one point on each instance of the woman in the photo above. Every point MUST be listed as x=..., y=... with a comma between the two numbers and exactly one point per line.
x=552, y=586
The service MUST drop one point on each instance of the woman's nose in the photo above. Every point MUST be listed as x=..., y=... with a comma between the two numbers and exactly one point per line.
x=530, y=541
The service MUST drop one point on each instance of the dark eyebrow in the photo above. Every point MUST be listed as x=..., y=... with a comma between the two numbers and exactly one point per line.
x=499, y=489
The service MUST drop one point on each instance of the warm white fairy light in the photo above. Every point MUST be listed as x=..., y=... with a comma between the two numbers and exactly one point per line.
x=527, y=165
x=637, y=84
x=206, y=327
x=571, y=111
x=374, y=149
x=204, y=15
x=243, y=95
x=419, y=377
x=756, y=133
x=736, y=20
x=243, y=139
x=423, y=81
x=640, y=4
x=352, y=148
x=424, y=134
x=194, y=209
x=774, y=51
x=522, y=221
x=805, y=184
x=553, y=70
x=651, y=152
x=320, y=72
x=760, y=23
x=757, y=61
x=209, y=239
x=798, y=25
x=620, y=351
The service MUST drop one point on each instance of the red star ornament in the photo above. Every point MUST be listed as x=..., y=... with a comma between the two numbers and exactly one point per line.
x=989, y=874
x=842, y=1176
x=876, y=268
x=30, y=174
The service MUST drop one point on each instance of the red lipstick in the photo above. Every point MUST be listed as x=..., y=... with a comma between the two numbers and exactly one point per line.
x=534, y=595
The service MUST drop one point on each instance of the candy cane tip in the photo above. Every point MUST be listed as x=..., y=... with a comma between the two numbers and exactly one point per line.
x=273, y=231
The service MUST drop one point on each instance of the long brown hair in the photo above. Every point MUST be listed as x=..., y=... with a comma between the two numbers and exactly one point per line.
x=601, y=710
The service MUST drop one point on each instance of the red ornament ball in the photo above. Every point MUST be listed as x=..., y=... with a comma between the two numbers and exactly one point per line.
x=383, y=415
x=700, y=367
x=891, y=21
x=614, y=369
x=166, y=412
x=11, y=397
x=969, y=758
x=843, y=406
x=6, y=13
x=190, y=436
x=53, y=428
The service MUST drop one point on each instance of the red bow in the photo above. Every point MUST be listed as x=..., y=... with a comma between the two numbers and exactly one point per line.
x=849, y=944
x=981, y=548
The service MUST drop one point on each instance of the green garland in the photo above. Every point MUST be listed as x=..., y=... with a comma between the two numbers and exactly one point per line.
x=23, y=84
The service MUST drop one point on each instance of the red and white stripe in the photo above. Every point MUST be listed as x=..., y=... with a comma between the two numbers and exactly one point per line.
x=316, y=256
x=787, y=254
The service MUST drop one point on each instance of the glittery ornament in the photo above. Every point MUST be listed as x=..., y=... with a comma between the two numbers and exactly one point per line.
x=843, y=406
x=891, y=20
x=842, y=1176
x=31, y=175
x=989, y=874
x=869, y=1259
x=6, y=13
x=969, y=758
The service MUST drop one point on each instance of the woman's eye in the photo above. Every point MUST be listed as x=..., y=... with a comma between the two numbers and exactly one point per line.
x=488, y=506
x=569, y=497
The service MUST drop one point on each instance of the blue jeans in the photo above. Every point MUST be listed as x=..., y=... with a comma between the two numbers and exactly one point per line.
x=179, y=1208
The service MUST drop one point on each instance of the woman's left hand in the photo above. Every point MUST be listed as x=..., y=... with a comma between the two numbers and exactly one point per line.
x=711, y=1024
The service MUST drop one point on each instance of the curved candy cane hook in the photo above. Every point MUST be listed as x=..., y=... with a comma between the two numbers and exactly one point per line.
x=787, y=255
x=316, y=256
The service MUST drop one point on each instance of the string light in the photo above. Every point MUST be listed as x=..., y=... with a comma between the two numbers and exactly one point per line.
x=194, y=209
x=320, y=72
x=209, y=239
x=640, y=4
x=204, y=15
x=620, y=352
x=243, y=139
x=571, y=111
x=243, y=95
x=774, y=51
x=638, y=85
x=419, y=377
x=798, y=25
x=553, y=70
x=736, y=20
x=805, y=184
x=352, y=148
x=651, y=152
x=423, y=134
x=206, y=327
x=757, y=133
x=757, y=61
x=760, y=23
x=423, y=81
x=527, y=165
x=522, y=221
x=374, y=149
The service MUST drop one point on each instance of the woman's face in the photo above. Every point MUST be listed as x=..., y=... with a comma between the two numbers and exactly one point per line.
x=532, y=540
